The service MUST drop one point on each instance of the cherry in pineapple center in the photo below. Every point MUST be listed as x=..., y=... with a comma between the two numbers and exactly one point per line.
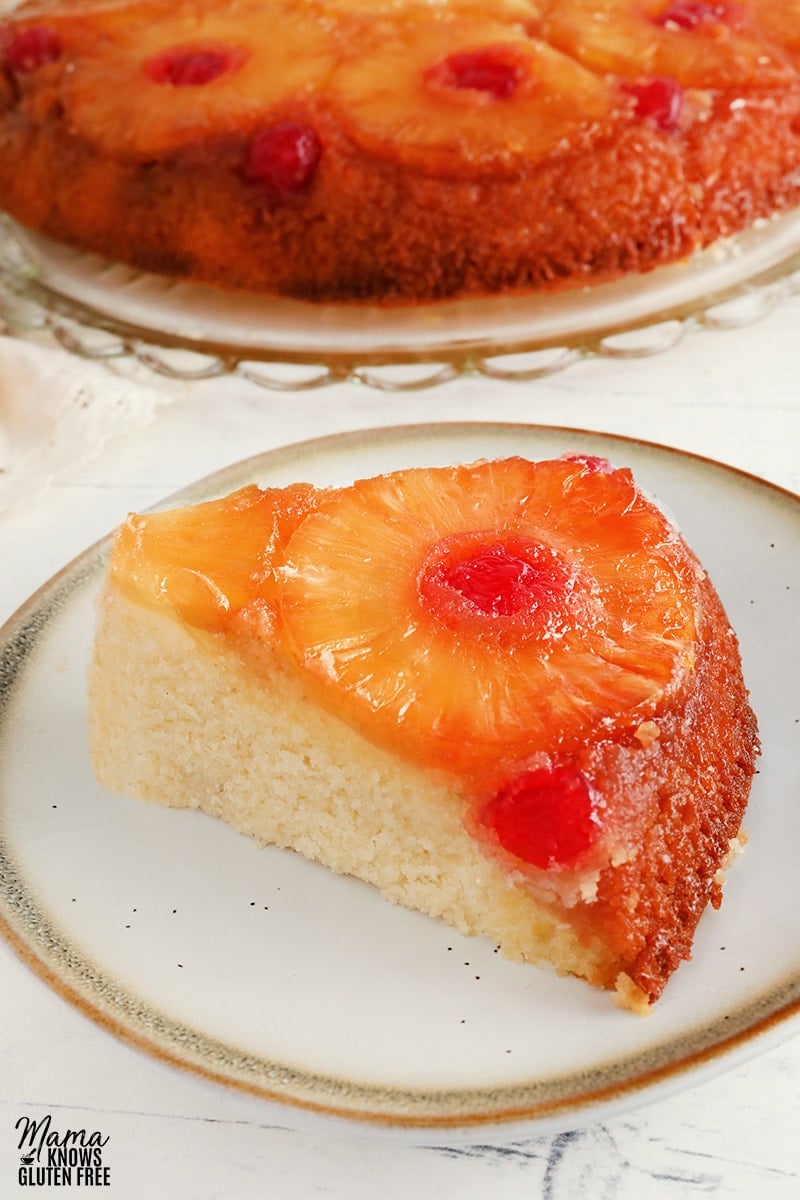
x=481, y=579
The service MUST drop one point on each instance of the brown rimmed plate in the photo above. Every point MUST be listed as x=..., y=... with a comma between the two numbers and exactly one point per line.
x=271, y=975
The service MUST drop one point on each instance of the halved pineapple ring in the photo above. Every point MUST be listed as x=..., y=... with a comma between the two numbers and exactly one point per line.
x=210, y=561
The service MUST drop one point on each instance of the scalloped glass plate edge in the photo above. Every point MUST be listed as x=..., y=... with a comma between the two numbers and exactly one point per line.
x=106, y=312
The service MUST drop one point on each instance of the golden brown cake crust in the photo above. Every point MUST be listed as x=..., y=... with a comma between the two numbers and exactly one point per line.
x=704, y=760
x=612, y=196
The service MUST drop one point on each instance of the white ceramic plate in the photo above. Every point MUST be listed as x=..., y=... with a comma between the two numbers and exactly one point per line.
x=269, y=974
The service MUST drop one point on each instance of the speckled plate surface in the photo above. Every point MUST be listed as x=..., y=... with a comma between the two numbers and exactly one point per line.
x=269, y=974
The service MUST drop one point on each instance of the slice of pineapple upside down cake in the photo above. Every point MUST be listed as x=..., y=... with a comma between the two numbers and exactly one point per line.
x=506, y=693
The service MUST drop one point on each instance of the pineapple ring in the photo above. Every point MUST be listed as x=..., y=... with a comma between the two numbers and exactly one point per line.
x=780, y=21
x=392, y=104
x=624, y=37
x=460, y=692
x=415, y=10
x=140, y=117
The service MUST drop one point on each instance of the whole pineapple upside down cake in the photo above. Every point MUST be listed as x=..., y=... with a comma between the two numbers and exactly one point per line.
x=506, y=693
x=398, y=150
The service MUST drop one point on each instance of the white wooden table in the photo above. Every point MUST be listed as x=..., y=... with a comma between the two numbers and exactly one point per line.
x=734, y=396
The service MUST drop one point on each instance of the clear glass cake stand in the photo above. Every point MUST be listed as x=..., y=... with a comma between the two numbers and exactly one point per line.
x=108, y=312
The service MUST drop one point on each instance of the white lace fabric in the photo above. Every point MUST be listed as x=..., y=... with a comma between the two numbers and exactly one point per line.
x=57, y=412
